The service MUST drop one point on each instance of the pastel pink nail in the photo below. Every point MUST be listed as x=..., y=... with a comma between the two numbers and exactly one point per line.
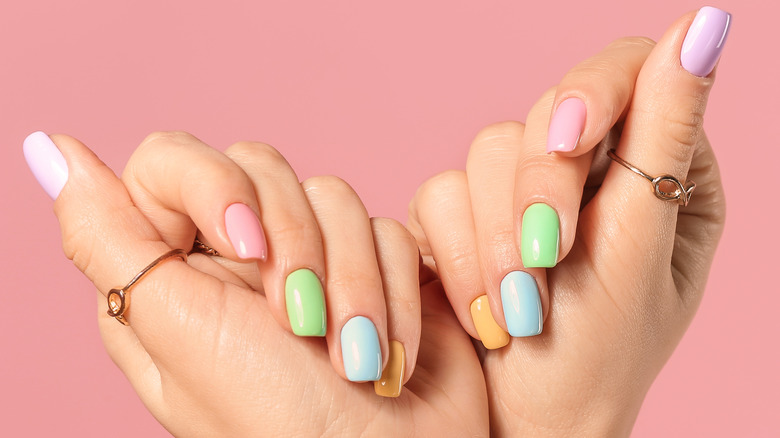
x=46, y=162
x=566, y=126
x=245, y=232
x=705, y=40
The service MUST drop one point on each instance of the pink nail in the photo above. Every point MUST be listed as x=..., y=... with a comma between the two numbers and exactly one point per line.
x=566, y=126
x=46, y=162
x=245, y=232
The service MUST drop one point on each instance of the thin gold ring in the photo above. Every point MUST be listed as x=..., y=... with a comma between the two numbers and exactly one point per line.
x=119, y=299
x=681, y=193
x=201, y=248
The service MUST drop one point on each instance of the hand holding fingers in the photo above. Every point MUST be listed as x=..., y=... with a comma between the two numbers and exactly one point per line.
x=624, y=260
x=203, y=353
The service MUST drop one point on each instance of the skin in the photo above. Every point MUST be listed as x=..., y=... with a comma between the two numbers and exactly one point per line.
x=632, y=268
x=211, y=353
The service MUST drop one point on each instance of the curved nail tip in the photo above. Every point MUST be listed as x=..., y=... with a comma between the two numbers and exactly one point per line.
x=46, y=162
x=705, y=40
x=245, y=232
x=360, y=350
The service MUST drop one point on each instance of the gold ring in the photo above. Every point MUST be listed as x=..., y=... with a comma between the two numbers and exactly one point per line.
x=201, y=248
x=680, y=191
x=119, y=299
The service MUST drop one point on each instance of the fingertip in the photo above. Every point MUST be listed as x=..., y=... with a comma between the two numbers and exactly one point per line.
x=46, y=162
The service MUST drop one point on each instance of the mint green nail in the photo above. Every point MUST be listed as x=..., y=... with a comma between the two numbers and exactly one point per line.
x=305, y=303
x=540, y=237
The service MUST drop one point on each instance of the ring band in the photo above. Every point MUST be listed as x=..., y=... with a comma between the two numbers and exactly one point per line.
x=682, y=190
x=119, y=299
x=201, y=248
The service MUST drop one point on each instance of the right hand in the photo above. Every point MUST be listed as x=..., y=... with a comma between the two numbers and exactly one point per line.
x=613, y=273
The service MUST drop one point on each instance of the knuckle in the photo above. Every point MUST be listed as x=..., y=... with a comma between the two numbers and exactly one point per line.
x=390, y=230
x=637, y=42
x=682, y=128
x=255, y=152
x=487, y=137
x=440, y=186
x=329, y=185
x=460, y=267
x=168, y=137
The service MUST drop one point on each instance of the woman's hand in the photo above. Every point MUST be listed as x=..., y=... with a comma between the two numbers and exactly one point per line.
x=579, y=246
x=211, y=346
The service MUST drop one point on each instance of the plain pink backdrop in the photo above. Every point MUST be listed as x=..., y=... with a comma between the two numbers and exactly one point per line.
x=383, y=95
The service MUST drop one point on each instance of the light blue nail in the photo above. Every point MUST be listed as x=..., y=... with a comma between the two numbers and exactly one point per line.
x=522, y=305
x=360, y=350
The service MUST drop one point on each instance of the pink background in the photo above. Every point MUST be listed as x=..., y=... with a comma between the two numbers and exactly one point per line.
x=383, y=96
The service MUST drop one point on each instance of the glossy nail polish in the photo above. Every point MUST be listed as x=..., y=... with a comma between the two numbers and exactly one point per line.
x=522, y=304
x=392, y=380
x=305, y=303
x=704, y=41
x=46, y=163
x=491, y=334
x=566, y=126
x=245, y=232
x=360, y=350
x=540, y=236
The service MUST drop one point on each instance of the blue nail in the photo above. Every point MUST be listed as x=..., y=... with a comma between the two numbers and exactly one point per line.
x=360, y=350
x=522, y=305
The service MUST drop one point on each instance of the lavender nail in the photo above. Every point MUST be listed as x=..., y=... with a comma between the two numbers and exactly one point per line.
x=705, y=40
x=46, y=162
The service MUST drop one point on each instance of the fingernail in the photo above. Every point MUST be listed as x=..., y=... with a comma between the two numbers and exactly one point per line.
x=540, y=236
x=392, y=380
x=46, y=162
x=360, y=350
x=705, y=40
x=305, y=303
x=522, y=305
x=245, y=232
x=566, y=126
x=491, y=334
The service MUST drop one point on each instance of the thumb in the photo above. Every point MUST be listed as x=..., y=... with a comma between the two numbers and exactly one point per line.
x=111, y=241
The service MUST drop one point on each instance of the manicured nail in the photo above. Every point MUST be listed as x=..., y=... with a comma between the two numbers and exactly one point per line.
x=491, y=334
x=360, y=350
x=705, y=40
x=540, y=236
x=46, y=162
x=305, y=303
x=392, y=380
x=566, y=126
x=522, y=305
x=245, y=232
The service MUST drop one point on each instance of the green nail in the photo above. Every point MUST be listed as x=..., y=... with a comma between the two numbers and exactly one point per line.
x=540, y=236
x=305, y=303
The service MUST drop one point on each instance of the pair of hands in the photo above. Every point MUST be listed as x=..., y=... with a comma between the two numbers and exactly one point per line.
x=211, y=349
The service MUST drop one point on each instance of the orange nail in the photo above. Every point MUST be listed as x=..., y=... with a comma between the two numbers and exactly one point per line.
x=491, y=334
x=392, y=380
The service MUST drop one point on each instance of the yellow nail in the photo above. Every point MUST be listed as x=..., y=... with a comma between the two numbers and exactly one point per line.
x=389, y=385
x=491, y=334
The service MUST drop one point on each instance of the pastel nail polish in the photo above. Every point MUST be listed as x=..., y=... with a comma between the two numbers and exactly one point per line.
x=491, y=334
x=392, y=380
x=360, y=350
x=705, y=40
x=522, y=304
x=46, y=163
x=305, y=303
x=540, y=236
x=245, y=232
x=566, y=126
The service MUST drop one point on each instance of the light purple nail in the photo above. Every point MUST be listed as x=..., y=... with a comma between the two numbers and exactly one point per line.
x=705, y=40
x=46, y=162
